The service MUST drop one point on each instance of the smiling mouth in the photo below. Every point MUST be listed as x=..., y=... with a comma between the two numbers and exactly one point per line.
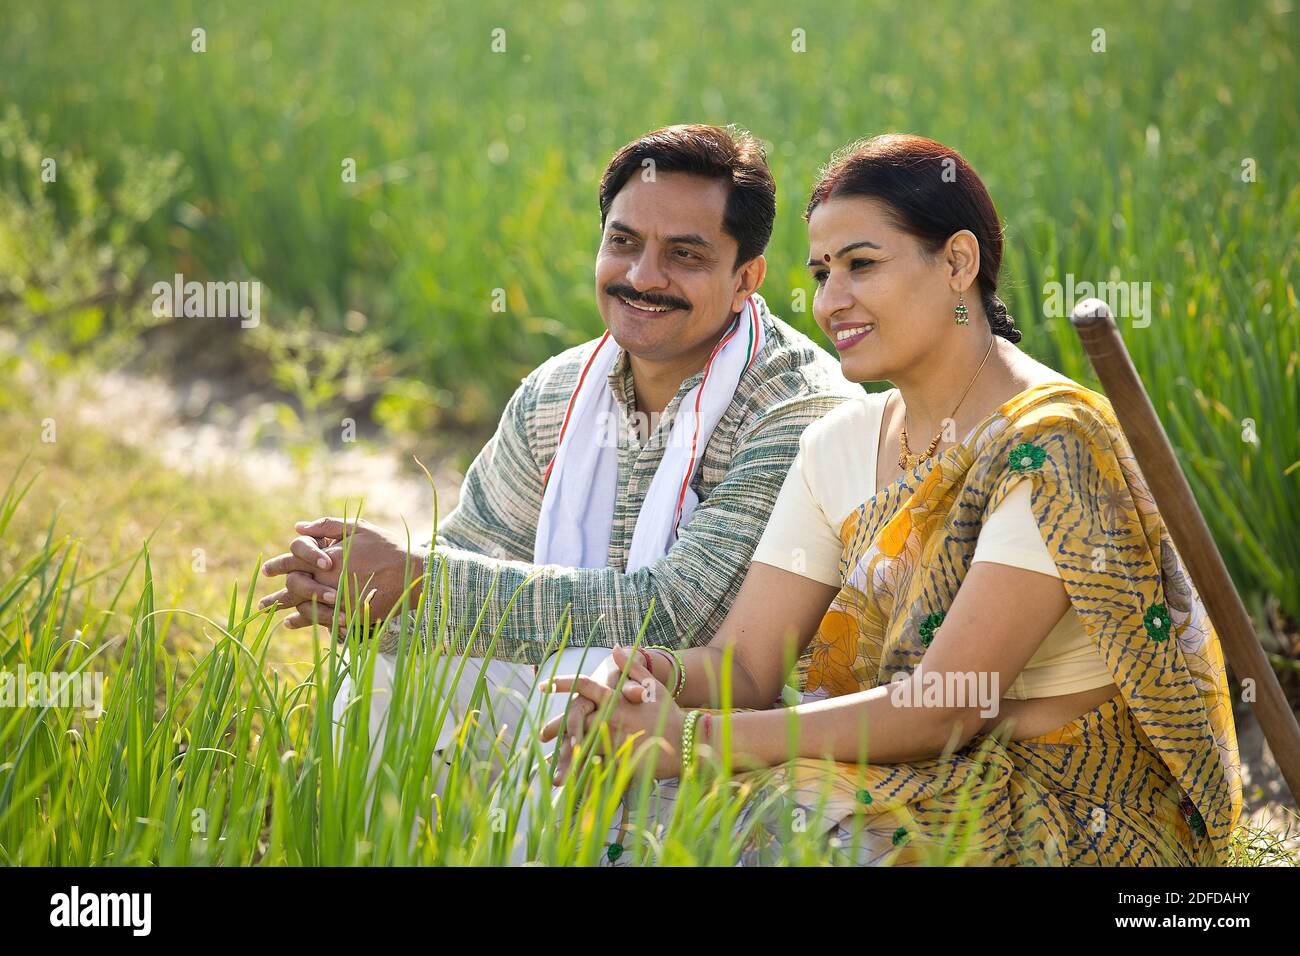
x=844, y=338
x=843, y=334
x=646, y=307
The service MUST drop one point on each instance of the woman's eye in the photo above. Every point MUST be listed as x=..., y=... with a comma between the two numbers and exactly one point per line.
x=858, y=263
x=819, y=277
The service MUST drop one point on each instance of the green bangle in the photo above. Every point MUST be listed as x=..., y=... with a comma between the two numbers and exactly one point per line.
x=679, y=669
x=688, y=740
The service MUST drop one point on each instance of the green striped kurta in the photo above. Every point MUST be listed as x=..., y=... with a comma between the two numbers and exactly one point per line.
x=485, y=546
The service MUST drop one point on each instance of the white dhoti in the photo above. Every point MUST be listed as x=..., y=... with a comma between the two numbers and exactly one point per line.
x=574, y=526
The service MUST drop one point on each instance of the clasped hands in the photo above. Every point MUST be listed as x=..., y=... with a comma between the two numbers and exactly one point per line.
x=642, y=706
x=379, y=568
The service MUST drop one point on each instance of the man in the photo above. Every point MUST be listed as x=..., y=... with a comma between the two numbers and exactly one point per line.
x=630, y=475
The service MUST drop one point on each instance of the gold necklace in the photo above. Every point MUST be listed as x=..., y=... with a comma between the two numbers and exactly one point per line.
x=907, y=459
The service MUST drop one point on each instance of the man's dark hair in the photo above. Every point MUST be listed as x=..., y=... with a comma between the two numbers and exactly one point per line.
x=731, y=154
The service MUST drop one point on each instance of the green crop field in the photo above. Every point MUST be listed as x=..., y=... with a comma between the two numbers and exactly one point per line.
x=414, y=185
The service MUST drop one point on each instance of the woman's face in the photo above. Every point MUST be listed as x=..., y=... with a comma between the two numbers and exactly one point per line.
x=881, y=298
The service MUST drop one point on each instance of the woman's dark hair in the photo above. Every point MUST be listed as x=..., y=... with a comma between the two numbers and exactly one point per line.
x=730, y=154
x=931, y=193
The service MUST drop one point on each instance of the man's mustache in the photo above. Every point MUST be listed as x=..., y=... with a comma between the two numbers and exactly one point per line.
x=649, y=298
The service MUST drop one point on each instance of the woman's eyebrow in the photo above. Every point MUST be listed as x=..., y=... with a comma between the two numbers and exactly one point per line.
x=860, y=244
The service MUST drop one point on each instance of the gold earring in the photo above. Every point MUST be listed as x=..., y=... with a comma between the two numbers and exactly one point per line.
x=959, y=313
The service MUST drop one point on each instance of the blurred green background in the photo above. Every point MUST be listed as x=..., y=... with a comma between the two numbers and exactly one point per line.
x=1167, y=157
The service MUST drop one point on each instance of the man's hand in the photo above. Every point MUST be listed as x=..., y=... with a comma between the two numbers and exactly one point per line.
x=379, y=570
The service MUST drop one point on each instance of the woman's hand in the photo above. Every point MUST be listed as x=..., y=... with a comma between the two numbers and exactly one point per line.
x=642, y=706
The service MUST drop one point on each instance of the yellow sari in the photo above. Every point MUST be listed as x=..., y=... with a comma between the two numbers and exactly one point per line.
x=1149, y=777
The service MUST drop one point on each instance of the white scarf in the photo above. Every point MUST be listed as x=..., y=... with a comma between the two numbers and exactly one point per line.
x=581, y=484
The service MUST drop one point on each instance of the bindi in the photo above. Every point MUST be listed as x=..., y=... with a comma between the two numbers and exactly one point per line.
x=827, y=257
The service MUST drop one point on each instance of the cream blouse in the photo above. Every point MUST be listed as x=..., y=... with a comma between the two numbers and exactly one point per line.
x=834, y=473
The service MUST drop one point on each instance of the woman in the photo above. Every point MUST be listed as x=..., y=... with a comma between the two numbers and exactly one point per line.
x=1017, y=552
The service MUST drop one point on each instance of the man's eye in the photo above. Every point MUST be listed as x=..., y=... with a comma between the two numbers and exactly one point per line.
x=618, y=240
x=686, y=254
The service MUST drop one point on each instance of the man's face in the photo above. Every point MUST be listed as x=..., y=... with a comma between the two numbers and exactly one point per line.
x=665, y=281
